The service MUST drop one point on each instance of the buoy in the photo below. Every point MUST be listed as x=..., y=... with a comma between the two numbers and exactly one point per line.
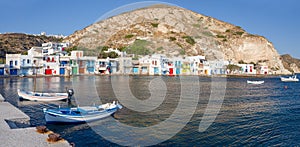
x=42, y=129
x=54, y=137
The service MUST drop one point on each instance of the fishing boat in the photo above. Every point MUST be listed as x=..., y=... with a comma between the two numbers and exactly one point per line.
x=290, y=79
x=80, y=114
x=42, y=96
x=255, y=82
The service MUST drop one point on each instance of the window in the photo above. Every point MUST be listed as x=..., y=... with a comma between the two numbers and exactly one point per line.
x=11, y=63
x=16, y=63
x=28, y=61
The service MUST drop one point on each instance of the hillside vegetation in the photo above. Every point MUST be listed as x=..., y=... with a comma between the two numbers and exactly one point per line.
x=175, y=32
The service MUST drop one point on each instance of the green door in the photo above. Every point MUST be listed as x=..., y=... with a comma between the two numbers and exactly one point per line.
x=74, y=71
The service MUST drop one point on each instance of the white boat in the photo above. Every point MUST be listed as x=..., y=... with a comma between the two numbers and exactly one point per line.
x=255, y=82
x=41, y=96
x=290, y=79
x=80, y=114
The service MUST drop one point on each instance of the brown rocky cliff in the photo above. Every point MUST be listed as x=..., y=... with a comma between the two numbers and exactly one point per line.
x=21, y=43
x=179, y=32
x=290, y=63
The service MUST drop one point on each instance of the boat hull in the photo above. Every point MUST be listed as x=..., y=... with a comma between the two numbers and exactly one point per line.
x=50, y=118
x=289, y=79
x=255, y=82
x=38, y=96
x=68, y=117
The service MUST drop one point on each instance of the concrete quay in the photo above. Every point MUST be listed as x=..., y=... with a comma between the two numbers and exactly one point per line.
x=11, y=134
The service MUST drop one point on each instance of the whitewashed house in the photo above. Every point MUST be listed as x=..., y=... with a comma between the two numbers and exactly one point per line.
x=218, y=67
x=51, y=65
x=27, y=66
x=13, y=62
x=197, y=64
x=144, y=65
x=101, y=66
x=247, y=68
x=64, y=65
x=113, y=65
x=125, y=65
x=177, y=65
x=82, y=64
x=87, y=64
x=51, y=48
x=263, y=69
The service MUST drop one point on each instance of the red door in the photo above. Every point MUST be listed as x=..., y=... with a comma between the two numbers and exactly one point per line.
x=48, y=71
x=171, y=71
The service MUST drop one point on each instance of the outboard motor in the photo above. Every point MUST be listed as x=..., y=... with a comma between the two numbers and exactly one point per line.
x=70, y=94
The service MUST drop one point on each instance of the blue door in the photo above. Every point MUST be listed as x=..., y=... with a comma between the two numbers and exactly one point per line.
x=90, y=69
x=1, y=71
x=177, y=71
x=62, y=71
x=13, y=72
x=135, y=70
x=156, y=71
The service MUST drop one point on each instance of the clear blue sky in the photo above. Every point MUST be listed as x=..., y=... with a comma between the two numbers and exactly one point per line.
x=277, y=20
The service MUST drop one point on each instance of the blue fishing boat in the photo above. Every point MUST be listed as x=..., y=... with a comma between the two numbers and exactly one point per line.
x=80, y=114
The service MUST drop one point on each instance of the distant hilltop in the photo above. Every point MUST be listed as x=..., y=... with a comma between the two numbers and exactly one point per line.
x=176, y=31
x=168, y=30
x=21, y=43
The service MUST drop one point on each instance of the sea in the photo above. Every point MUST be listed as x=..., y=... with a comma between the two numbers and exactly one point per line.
x=170, y=110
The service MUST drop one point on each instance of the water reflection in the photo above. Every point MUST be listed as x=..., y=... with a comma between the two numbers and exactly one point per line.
x=252, y=115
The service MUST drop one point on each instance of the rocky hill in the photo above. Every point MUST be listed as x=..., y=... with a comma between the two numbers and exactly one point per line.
x=176, y=31
x=290, y=63
x=21, y=43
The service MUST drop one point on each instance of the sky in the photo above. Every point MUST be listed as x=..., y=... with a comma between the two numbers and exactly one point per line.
x=277, y=20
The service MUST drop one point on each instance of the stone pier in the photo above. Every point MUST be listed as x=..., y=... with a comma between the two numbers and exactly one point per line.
x=15, y=130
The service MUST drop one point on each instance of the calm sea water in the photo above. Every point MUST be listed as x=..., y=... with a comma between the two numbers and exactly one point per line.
x=251, y=115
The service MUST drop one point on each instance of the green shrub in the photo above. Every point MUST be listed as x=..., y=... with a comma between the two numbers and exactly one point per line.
x=182, y=52
x=129, y=36
x=160, y=48
x=233, y=67
x=220, y=36
x=154, y=25
x=179, y=45
x=189, y=40
x=196, y=25
x=139, y=47
x=206, y=33
x=172, y=38
x=239, y=33
x=242, y=62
